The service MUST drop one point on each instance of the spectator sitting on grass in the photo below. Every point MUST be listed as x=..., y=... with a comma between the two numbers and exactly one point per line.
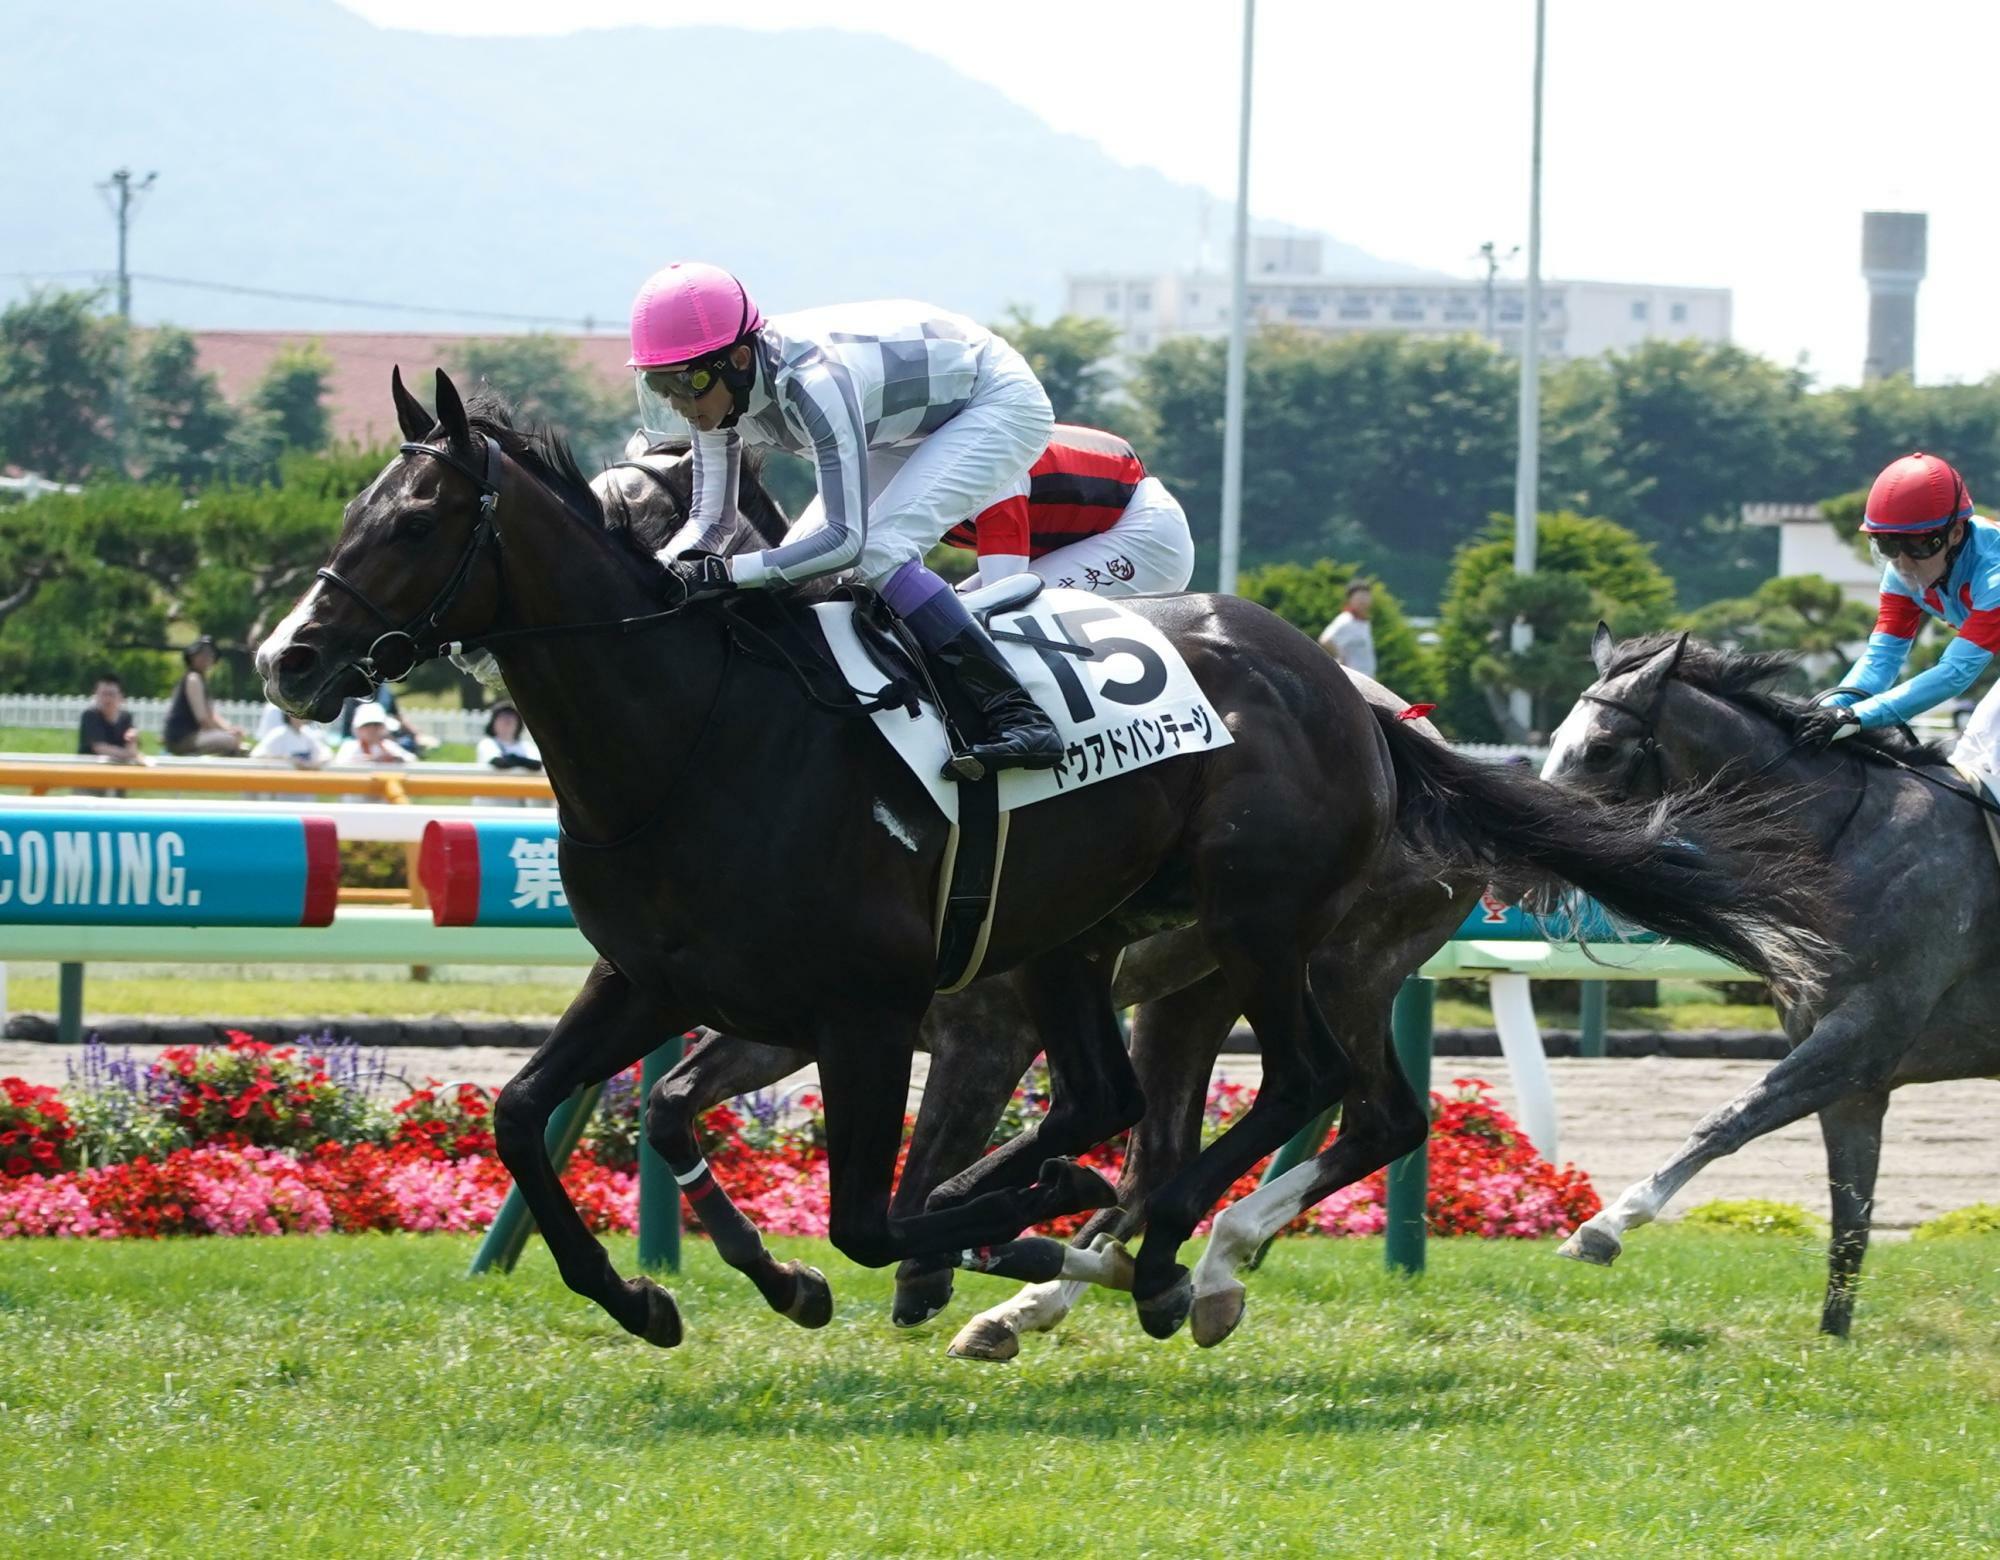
x=507, y=744
x=107, y=729
x=372, y=742
x=193, y=725
x=292, y=739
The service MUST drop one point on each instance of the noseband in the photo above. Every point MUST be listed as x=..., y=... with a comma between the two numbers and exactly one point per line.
x=399, y=651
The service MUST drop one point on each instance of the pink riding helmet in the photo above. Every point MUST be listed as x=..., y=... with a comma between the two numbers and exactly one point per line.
x=687, y=311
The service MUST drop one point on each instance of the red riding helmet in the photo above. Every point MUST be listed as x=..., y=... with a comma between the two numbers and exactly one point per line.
x=1917, y=493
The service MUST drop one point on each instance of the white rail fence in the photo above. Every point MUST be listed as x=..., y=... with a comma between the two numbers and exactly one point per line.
x=62, y=711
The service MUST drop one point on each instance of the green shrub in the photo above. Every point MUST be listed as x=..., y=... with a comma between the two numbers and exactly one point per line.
x=1979, y=1219
x=1755, y=1216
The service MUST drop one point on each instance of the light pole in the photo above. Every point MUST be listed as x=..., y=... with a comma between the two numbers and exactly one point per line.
x=1528, y=463
x=1232, y=395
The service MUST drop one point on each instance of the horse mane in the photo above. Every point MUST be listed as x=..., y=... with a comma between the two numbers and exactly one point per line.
x=1744, y=678
x=651, y=531
x=544, y=452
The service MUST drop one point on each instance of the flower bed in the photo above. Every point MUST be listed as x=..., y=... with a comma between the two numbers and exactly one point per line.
x=252, y=1139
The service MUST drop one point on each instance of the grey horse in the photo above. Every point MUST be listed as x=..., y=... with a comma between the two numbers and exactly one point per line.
x=1912, y=990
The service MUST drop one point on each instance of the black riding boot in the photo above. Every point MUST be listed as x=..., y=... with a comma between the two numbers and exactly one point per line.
x=1018, y=734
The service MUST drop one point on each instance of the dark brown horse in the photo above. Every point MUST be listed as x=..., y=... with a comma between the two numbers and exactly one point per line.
x=724, y=850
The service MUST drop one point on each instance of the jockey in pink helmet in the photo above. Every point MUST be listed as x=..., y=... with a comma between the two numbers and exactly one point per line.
x=1941, y=561
x=914, y=419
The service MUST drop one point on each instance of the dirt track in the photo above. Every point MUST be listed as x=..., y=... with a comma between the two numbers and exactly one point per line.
x=1619, y=1119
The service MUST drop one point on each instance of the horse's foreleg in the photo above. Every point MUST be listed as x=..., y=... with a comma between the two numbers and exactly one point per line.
x=721, y=1067
x=1852, y=1128
x=864, y=1070
x=1175, y=1041
x=980, y=1042
x=1305, y=1071
x=608, y=1027
x=1847, y=1052
x=1093, y=1092
x=1381, y=1119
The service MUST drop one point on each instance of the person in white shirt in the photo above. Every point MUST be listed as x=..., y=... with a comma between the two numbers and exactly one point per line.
x=370, y=743
x=507, y=744
x=292, y=739
x=1351, y=637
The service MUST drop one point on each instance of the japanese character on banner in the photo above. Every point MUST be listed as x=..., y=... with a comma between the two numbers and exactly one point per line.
x=1200, y=718
x=537, y=878
x=1118, y=748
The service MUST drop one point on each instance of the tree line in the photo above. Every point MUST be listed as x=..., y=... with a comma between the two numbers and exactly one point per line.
x=1391, y=454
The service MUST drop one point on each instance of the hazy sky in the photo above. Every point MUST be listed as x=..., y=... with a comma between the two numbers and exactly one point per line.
x=1701, y=142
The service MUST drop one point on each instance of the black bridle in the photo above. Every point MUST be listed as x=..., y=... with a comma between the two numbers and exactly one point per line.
x=1648, y=745
x=400, y=650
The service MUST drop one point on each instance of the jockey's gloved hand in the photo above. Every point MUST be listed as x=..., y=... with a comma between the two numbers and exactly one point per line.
x=1820, y=728
x=697, y=576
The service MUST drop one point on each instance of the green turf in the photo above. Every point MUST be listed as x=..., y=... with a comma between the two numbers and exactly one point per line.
x=357, y=1396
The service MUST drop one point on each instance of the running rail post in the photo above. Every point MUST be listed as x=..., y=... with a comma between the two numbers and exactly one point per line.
x=1590, y=1018
x=1409, y=1177
x=512, y=1224
x=659, y=1196
x=69, y=1004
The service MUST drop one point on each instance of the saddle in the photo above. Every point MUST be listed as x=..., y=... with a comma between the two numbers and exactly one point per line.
x=971, y=868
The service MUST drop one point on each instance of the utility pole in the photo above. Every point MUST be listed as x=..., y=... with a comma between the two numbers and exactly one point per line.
x=1232, y=396
x=122, y=194
x=1490, y=253
x=1528, y=464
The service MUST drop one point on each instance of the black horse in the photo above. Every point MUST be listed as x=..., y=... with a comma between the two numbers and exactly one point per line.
x=1912, y=990
x=723, y=850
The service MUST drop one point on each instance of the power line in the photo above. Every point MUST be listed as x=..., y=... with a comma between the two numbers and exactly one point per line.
x=244, y=290
x=241, y=289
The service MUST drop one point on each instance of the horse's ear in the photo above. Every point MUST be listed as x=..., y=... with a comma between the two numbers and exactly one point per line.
x=415, y=422
x=1601, y=647
x=451, y=413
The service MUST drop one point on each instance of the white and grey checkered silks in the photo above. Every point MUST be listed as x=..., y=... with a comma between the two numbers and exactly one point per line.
x=857, y=388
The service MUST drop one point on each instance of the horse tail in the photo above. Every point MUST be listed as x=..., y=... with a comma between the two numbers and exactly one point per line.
x=1719, y=870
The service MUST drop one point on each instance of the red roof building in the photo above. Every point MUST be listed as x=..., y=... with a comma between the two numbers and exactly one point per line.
x=357, y=392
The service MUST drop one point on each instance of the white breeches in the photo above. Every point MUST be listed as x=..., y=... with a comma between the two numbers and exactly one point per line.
x=1148, y=552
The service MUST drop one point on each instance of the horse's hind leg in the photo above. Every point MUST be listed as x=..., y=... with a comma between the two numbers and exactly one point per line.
x=1175, y=1041
x=1852, y=1128
x=1093, y=1092
x=721, y=1067
x=1849, y=1049
x=609, y=1026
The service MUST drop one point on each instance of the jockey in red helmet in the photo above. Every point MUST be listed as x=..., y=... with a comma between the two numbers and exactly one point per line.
x=914, y=419
x=1940, y=560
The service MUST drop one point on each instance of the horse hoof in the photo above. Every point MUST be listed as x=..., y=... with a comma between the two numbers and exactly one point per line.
x=662, y=1325
x=812, y=1305
x=1598, y=1247
x=1161, y=1314
x=985, y=1339
x=1069, y=1187
x=1215, y=1315
x=920, y=1298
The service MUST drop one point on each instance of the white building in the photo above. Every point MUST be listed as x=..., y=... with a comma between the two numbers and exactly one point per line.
x=1808, y=545
x=1287, y=287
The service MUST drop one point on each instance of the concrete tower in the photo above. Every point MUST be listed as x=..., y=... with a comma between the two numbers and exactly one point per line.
x=1892, y=259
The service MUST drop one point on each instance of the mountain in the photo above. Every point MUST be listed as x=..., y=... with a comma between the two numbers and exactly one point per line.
x=303, y=149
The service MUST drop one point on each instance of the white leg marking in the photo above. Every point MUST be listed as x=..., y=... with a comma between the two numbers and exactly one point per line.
x=1034, y=1308
x=1244, y=1226
x=1104, y=1263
